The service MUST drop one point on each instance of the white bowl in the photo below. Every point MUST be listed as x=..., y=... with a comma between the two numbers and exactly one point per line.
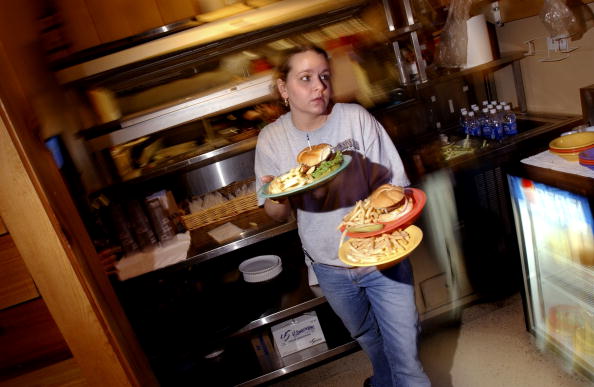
x=261, y=268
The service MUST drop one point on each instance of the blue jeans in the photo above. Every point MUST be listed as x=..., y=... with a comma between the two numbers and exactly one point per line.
x=378, y=308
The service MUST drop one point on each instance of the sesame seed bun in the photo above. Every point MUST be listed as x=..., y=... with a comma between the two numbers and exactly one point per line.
x=387, y=196
x=315, y=155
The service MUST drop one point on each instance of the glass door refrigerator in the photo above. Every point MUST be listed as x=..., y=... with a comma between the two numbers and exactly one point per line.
x=554, y=222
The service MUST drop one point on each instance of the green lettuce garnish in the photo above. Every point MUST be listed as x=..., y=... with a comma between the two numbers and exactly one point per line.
x=327, y=167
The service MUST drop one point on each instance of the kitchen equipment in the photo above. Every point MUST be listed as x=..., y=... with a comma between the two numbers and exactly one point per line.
x=262, y=268
x=554, y=225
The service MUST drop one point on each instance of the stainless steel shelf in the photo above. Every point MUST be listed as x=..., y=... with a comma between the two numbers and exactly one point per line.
x=206, y=104
x=489, y=66
x=403, y=32
x=187, y=162
x=204, y=247
x=298, y=301
x=315, y=358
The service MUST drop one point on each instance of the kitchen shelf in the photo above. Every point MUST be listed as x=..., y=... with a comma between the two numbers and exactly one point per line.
x=189, y=161
x=316, y=355
x=298, y=300
x=156, y=59
x=579, y=289
x=493, y=65
x=204, y=248
x=212, y=102
x=403, y=32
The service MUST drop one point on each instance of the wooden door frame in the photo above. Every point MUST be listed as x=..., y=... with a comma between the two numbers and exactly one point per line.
x=49, y=233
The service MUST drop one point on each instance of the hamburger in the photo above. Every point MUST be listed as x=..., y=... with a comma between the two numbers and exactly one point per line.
x=319, y=160
x=391, y=202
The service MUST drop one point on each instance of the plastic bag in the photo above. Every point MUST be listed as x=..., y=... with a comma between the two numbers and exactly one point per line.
x=558, y=19
x=566, y=18
x=452, y=47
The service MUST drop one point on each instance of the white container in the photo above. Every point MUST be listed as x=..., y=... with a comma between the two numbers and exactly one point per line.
x=297, y=334
x=261, y=268
x=478, y=49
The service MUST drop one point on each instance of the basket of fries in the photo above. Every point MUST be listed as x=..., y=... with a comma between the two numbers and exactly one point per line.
x=237, y=197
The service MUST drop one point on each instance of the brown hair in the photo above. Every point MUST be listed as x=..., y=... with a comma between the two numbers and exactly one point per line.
x=284, y=67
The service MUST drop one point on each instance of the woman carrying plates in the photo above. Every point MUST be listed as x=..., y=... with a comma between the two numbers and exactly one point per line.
x=377, y=306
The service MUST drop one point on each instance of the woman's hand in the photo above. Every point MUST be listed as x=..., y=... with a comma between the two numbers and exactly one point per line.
x=279, y=209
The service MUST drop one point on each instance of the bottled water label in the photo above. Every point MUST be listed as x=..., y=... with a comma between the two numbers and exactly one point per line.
x=510, y=128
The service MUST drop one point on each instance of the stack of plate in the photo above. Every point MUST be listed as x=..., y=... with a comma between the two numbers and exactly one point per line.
x=570, y=146
x=586, y=158
x=261, y=268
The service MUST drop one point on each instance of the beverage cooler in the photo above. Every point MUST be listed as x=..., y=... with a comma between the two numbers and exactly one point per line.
x=554, y=223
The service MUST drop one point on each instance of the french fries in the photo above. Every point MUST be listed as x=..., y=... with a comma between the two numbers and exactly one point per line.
x=289, y=181
x=362, y=213
x=376, y=249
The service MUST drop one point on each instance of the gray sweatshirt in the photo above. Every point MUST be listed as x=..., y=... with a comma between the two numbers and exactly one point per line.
x=375, y=161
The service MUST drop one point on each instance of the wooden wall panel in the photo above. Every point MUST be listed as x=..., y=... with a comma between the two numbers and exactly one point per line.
x=29, y=339
x=51, y=238
x=3, y=229
x=16, y=284
x=79, y=27
x=175, y=10
x=117, y=19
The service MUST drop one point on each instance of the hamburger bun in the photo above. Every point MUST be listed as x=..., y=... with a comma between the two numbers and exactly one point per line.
x=314, y=155
x=387, y=196
x=392, y=201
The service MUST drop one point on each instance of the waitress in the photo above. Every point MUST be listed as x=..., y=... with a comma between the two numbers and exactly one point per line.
x=376, y=306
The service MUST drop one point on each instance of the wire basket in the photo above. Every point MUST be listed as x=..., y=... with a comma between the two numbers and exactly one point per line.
x=223, y=211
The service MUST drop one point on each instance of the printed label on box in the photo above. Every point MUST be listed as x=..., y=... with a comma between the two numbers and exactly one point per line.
x=297, y=334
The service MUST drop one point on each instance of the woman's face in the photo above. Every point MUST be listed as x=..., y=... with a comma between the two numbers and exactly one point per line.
x=307, y=85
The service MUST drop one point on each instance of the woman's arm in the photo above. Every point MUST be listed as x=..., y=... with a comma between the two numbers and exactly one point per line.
x=278, y=210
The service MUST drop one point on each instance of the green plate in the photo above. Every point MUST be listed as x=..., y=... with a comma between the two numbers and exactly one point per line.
x=263, y=191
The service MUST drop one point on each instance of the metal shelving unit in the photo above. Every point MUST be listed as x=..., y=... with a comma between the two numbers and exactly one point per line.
x=203, y=105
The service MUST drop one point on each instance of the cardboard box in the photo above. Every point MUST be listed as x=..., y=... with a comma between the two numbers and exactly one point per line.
x=264, y=349
x=297, y=334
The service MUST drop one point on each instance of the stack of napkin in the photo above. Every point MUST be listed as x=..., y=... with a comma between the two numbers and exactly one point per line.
x=155, y=257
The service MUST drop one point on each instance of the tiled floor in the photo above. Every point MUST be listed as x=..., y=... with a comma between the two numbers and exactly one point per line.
x=490, y=347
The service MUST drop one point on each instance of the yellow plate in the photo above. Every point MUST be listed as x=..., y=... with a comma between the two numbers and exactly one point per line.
x=574, y=156
x=573, y=141
x=416, y=236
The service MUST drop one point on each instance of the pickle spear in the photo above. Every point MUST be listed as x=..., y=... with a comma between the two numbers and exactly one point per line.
x=371, y=227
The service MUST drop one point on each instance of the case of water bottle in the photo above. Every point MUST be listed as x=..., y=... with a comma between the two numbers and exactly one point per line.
x=493, y=121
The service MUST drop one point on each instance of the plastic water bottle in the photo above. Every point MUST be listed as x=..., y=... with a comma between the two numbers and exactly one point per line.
x=499, y=109
x=510, y=126
x=464, y=120
x=496, y=125
x=474, y=127
x=484, y=123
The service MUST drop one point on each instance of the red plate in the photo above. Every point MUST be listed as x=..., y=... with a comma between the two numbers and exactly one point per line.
x=571, y=150
x=419, y=199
